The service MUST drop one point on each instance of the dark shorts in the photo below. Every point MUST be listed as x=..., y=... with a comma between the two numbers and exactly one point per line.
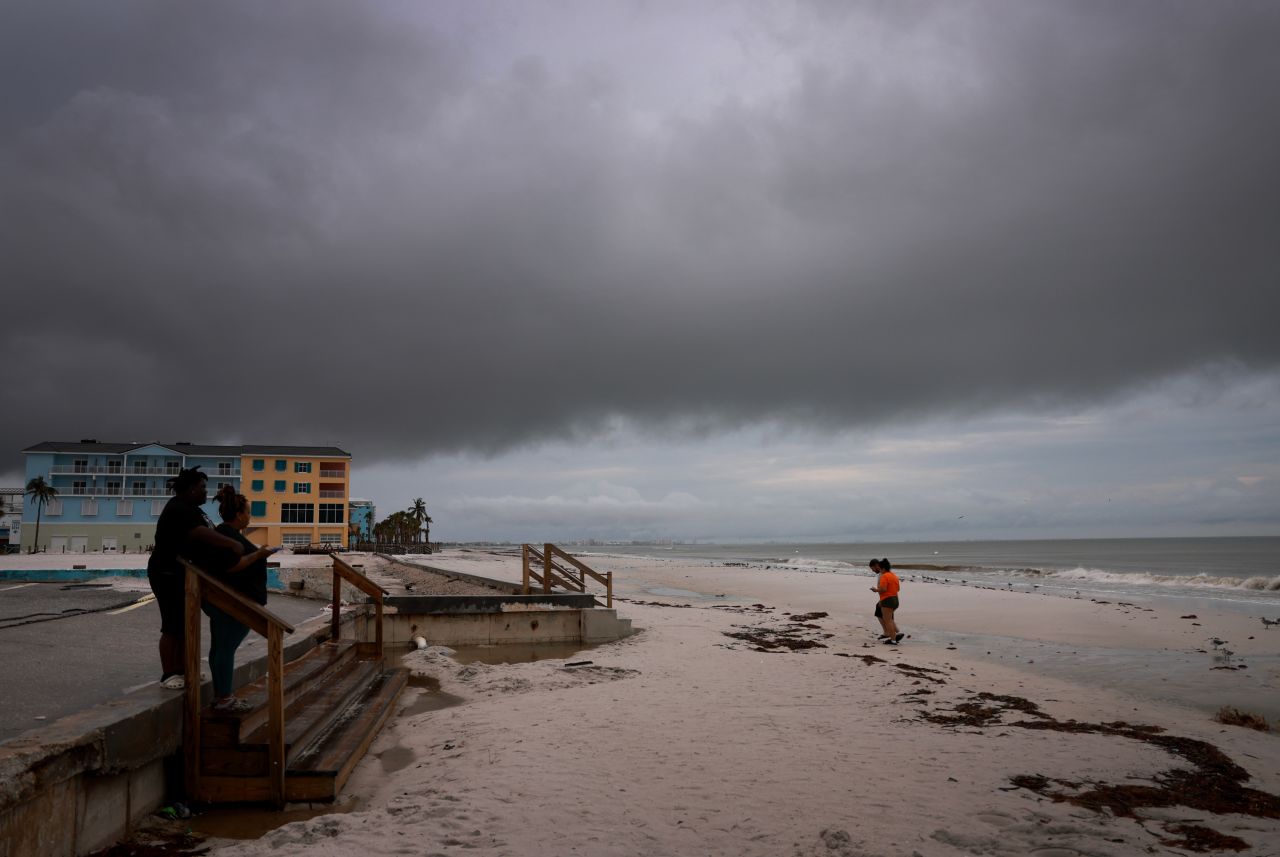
x=171, y=598
x=891, y=602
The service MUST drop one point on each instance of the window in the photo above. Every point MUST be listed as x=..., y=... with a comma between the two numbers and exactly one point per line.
x=257, y=485
x=280, y=486
x=81, y=465
x=222, y=485
x=224, y=469
x=258, y=509
x=139, y=489
x=124, y=508
x=281, y=464
x=113, y=487
x=172, y=467
x=302, y=488
x=259, y=464
x=331, y=539
x=113, y=466
x=297, y=513
x=80, y=487
x=296, y=539
x=89, y=507
x=302, y=467
x=331, y=513
x=140, y=467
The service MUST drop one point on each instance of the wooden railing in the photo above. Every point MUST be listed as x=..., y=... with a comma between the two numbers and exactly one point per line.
x=342, y=571
x=203, y=587
x=544, y=567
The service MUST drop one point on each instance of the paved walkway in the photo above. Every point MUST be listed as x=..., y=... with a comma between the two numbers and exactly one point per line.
x=68, y=647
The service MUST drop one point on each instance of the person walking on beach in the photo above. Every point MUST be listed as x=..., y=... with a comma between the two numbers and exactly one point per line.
x=887, y=586
x=248, y=576
x=182, y=530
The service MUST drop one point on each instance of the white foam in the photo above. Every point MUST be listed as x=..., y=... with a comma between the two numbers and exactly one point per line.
x=1094, y=575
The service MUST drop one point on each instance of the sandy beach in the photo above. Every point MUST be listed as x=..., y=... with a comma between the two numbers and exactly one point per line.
x=754, y=714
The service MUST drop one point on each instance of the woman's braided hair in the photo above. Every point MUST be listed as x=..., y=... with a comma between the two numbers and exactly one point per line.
x=186, y=479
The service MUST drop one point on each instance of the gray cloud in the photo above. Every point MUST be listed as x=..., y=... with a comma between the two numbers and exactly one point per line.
x=415, y=229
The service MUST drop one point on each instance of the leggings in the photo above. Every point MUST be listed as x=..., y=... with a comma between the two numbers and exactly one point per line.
x=225, y=636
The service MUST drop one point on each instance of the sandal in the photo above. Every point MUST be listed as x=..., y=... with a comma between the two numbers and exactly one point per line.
x=174, y=682
x=231, y=706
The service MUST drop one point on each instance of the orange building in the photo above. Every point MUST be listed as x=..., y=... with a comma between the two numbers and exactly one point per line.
x=297, y=495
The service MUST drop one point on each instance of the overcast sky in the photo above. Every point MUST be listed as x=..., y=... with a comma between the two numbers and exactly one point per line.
x=812, y=270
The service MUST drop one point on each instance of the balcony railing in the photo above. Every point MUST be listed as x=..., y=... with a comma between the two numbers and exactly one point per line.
x=67, y=469
x=332, y=474
x=332, y=495
x=91, y=469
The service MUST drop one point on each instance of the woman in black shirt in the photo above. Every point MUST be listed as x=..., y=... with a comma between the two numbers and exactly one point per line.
x=248, y=576
x=183, y=530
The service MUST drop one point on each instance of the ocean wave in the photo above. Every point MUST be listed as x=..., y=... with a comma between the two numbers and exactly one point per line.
x=1094, y=575
x=817, y=564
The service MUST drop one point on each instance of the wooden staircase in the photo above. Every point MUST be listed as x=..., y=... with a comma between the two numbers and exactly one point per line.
x=309, y=721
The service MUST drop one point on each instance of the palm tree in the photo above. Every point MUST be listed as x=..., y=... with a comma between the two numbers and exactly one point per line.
x=418, y=511
x=40, y=492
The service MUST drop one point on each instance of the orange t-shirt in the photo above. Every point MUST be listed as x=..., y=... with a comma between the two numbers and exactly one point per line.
x=889, y=581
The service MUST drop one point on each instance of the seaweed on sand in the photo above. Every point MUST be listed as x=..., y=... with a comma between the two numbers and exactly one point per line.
x=1214, y=784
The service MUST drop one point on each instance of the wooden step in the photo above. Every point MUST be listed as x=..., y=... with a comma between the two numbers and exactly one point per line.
x=307, y=717
x=322, y=770
x=220, y=730
x=319, y=772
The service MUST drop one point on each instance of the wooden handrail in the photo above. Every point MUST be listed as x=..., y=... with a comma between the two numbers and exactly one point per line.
x=553, y=573
x=343, y=571
x=200, y=585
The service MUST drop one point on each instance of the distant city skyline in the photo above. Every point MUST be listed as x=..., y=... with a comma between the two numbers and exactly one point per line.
x=803, y=271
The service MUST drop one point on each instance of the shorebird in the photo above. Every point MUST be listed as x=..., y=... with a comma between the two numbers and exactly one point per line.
x=1267, y=623
x=1216, y=642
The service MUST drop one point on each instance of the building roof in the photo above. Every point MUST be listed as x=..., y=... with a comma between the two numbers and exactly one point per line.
x=183, y=448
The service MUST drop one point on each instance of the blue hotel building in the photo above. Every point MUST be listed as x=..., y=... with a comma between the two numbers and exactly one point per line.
x=111, y=494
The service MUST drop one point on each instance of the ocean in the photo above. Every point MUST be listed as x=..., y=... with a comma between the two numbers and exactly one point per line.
x=1231, y=573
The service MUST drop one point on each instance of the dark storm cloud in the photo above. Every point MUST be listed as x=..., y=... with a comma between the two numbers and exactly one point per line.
x=368, y=225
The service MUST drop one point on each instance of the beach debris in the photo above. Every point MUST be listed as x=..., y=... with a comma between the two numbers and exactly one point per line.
x=922, y=673
x=1235, y=717
x=1214, y=784
x=1189, y=616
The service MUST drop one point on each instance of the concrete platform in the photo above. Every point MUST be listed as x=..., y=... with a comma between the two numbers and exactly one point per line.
x=65, y=648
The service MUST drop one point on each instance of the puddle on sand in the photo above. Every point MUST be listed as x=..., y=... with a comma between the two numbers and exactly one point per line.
x=519, y=653
x=253, y=822
x=396, y=758
x=429, y=698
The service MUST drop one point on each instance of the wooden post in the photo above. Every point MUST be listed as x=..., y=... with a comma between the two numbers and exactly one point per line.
x=377, y=632
x=609, y=589
x=524, y=567
x=275, y=711
x=191, y=694
x=546, y=568
x=334, y=621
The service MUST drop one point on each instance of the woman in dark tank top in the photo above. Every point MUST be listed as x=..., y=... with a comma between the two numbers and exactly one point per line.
x=248, y=576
